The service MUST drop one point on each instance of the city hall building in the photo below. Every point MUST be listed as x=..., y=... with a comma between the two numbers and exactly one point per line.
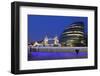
x=74, y=35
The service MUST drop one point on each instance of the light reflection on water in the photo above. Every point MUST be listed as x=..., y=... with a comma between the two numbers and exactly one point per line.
x=56, y=55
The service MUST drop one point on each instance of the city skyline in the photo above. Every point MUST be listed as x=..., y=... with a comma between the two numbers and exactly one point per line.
x=39, y=25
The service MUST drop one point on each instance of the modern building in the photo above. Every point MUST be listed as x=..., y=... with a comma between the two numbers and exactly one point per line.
x=74, y=35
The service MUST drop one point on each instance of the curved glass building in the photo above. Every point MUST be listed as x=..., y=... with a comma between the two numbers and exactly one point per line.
x=74, y=35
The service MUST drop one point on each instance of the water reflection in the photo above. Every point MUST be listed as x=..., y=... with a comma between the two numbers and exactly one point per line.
x=56, y=55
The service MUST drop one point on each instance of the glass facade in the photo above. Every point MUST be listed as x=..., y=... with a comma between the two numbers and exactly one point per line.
x=74, y=35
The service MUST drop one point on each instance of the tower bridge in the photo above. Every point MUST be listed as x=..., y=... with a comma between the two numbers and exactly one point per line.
x=48, y=42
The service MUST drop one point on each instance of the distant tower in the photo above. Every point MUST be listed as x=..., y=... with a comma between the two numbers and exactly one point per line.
x=46, y=40
x=56, y=40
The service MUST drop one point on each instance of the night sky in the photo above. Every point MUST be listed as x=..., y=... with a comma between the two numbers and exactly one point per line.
x=41, y=25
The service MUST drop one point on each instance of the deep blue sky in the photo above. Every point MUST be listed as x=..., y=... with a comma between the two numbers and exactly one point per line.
x=41, y=25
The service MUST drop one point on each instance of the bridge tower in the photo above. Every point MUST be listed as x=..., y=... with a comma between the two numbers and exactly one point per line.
x=56, y=40
x=46, y=40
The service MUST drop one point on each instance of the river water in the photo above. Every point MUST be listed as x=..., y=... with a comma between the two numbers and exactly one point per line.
x=56, y=55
